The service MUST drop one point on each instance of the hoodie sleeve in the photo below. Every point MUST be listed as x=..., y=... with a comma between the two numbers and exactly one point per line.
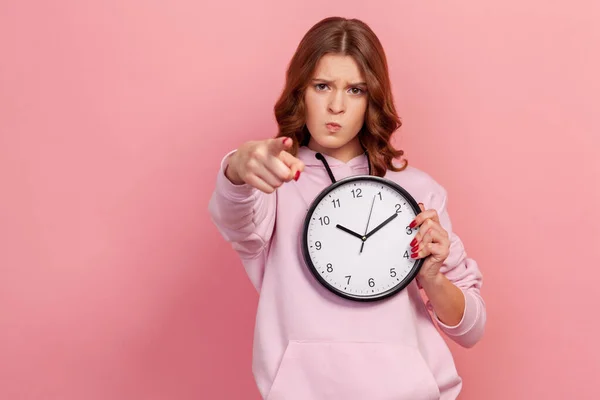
x=245, y=217
x=463, y=272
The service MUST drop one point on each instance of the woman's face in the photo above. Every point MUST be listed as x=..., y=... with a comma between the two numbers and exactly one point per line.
x=336, y=101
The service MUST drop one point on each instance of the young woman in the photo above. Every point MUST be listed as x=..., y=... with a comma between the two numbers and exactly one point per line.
x=336, y=114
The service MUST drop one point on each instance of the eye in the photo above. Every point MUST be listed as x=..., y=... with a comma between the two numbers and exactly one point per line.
x=356, y=90
x=320, y=87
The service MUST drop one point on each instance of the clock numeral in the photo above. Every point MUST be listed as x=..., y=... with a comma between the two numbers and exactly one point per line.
x=380, y=198
x=324, y=220
x=329, y=267
x=371, y=282
x=393, y=272
x=336, y=203
x=406, y=254
x=318, y=245
x=398, y=209
x=348, y=277
x=408, y=230
x=357, y=194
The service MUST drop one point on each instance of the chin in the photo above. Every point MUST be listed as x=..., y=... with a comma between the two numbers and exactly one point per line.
x=331, y=141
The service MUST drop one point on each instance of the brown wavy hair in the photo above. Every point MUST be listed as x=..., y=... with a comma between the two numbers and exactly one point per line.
x=352, y=37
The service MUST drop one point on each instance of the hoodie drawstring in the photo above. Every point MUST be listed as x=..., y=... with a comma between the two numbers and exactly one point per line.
x=319, y=156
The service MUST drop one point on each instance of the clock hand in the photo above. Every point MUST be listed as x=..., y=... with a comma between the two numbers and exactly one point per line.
x=367, y=228
x=350, y=232
x=381, y=225
x=370, y=212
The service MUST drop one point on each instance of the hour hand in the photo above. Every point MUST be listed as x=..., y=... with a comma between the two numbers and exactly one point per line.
x=361, y=237
x=381, y=225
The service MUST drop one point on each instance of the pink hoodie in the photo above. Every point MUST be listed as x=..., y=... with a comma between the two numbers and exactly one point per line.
x=310, y=344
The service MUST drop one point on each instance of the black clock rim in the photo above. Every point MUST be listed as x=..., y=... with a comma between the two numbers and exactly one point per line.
x=311, y=267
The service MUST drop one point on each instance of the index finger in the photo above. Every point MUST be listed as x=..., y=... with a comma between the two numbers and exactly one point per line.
x=294, y=164
x=423, y=215
x=277, y=145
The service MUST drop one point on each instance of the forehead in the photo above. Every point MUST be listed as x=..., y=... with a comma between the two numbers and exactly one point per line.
x=337, y=67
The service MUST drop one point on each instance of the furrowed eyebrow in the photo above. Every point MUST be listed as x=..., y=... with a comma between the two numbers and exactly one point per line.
x=330, y=82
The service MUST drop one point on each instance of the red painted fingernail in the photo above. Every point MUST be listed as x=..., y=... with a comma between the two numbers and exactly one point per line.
x=415, y=249
x=415, y=255
x=297, y=175
x=286, y=141
x=413, y=224
x=413, y=243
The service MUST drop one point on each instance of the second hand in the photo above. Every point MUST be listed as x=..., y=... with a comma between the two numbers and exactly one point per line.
x=367, y=228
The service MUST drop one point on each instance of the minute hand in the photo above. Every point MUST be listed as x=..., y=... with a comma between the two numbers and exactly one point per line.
x=381, y=225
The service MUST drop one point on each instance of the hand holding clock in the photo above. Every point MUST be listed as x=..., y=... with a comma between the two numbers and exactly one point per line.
x=431, y=243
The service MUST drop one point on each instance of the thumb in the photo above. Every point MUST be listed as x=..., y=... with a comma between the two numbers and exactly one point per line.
x=277, y=145
x=422, y=207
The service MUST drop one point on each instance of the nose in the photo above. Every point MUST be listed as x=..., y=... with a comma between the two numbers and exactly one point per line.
x=336, y=102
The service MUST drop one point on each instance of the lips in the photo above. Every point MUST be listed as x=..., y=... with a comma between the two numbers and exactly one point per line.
x=333, y=126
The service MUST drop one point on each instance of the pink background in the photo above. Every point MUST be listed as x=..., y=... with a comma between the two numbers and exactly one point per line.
x=114, y=116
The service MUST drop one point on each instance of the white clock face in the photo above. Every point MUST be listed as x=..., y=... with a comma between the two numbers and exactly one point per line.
x=357, y=238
